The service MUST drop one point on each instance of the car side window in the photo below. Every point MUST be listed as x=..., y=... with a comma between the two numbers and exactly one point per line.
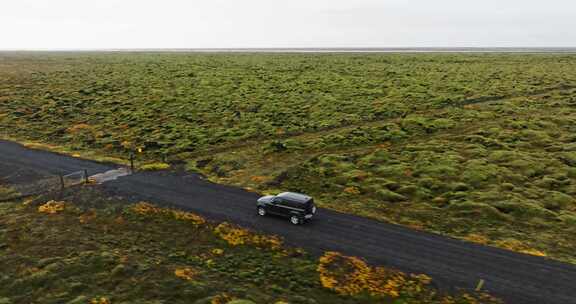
x=292, y=205
x=283, y=203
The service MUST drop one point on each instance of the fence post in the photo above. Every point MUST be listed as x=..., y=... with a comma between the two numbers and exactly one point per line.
x=131, y=162
x=86, y=181
x=62, y=185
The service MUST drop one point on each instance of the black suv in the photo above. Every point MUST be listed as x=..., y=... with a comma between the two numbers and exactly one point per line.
x=295, y=206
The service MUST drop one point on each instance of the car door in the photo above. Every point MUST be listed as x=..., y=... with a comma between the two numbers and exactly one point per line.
x=276, y=206
x=291, y=208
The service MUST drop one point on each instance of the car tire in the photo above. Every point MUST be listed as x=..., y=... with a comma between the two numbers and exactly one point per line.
x=295, y=220
x=261, y=211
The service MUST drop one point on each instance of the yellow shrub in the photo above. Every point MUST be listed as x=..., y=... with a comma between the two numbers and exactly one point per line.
x=217, y=251
x=239, y=236
x=516, y=245
x=510, y=244
x=186, y=273
x=189, y=217
x=221, y=299
x=87, y=217
x=258, y=178
x=477, y=238
x=52, y=207
x=144, y=208
x=351, y=276
x=352, y=190
x=101, y=300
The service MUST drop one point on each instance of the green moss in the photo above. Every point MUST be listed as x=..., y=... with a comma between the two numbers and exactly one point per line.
x=437, y=170
x=571, y=173
x=379, y=157
x=551, y=183
x=504, y=156
x=408, y=189
x=389, y=196
x=479, y=172
x=476, y=209
x=569, y=219
x=459, y=186
x=536, y=138
x=392, y=170
x=528, y=167
x=508, y=186
x=568, y=158
x=484, y=141
x=571, y=147
x=456, y=196
x=433, y=184
x=555, y=200
x=522, y=209
x=475, y=151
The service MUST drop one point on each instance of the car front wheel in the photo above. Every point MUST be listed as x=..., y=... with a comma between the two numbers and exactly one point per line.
x=261, y=211
x=294, y=220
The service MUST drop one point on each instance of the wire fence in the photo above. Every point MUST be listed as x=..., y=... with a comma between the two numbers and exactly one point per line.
x=26, y=183
x=75, y=178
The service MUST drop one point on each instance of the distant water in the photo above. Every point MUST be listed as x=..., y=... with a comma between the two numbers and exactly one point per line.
x=333, y=50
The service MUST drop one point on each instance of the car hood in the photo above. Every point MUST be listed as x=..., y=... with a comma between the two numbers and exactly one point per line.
x=266, y=199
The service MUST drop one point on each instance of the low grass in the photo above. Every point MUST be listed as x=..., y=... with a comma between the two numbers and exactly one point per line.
x=91, y=248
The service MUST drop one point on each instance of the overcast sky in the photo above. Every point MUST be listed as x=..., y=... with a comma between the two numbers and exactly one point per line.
x=87, y=24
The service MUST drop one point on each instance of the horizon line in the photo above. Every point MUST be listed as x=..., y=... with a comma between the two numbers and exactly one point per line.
x=516, y=49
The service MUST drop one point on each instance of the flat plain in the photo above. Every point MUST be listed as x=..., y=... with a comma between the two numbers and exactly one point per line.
x=475, y=146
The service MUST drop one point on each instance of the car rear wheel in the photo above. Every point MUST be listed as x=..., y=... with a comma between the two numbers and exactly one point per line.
x=261, y=211
x=295, y=220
